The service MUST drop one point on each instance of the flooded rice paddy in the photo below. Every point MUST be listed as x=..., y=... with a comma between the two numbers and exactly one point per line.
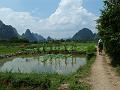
x=49, y=63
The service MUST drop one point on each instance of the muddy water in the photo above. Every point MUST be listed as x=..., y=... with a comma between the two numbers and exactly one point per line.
x=44, y=64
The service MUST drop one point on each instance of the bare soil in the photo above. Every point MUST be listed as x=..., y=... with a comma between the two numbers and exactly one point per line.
x=103, y=75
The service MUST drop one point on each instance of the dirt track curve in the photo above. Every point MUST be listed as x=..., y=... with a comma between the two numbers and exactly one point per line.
x=103, y=76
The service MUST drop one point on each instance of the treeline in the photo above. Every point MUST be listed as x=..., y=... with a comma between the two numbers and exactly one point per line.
x=109, y=29
x=15, y=40
x=23, y=40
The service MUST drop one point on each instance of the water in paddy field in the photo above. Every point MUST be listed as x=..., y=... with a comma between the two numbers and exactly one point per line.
x=60, y=64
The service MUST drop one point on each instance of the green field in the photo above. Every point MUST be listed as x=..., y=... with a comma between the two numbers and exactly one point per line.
x=13, y=81
x=7, y=48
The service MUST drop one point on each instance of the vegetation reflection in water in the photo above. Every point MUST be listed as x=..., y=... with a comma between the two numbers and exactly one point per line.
x=50, y=63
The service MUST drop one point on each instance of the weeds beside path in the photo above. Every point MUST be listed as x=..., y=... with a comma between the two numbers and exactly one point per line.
x=103, y=76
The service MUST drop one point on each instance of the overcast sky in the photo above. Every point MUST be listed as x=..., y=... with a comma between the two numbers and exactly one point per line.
x=55, y=18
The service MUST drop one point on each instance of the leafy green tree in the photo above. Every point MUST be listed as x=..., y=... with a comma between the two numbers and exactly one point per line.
x=109, y=30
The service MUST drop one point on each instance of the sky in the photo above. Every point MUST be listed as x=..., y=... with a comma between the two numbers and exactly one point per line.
x=55, y=18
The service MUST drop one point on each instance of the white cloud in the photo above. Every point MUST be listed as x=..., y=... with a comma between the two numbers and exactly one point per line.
x=69, y=17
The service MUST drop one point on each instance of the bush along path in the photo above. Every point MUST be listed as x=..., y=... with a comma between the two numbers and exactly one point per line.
x=103, y=75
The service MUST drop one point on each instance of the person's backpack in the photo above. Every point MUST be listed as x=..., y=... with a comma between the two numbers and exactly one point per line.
x=100, y=45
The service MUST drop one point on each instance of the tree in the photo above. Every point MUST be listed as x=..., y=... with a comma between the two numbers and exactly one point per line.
x=18, y=40
x=109, y=30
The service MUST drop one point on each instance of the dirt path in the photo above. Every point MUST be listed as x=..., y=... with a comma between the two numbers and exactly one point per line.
x=103, y=76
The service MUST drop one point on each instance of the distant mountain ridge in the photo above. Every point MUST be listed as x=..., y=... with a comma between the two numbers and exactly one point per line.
x=32, y=37
x=7, y=32
x=29, y=36
x=49, y=38
x=84, y=35
x=39, y=37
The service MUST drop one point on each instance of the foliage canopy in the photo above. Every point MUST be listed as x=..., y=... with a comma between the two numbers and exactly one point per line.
x=109, y=30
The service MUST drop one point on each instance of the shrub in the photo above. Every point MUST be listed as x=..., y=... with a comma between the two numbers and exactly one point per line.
x=109, y=30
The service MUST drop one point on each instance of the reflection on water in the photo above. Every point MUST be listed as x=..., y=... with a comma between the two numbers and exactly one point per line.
x=38, y=64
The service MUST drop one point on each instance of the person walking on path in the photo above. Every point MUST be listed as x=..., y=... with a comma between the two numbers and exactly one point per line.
x=100, y=46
